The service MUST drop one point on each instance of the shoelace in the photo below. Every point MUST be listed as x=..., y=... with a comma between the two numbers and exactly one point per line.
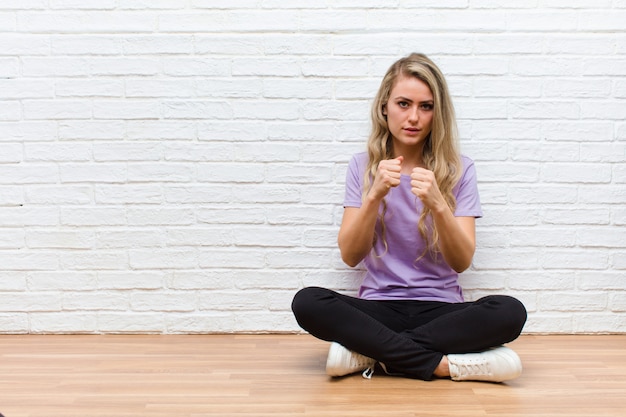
x=466, y=369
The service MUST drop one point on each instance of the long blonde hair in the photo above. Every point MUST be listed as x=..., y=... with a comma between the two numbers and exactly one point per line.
x=441, y=151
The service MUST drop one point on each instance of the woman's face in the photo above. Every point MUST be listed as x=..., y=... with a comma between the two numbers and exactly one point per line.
x=409, y=112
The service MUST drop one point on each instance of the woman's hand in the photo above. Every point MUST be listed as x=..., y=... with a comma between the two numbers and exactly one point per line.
x=387, y=176
x=424, y=186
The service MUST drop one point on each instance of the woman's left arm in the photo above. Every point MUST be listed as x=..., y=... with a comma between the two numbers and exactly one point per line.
x=457, y=235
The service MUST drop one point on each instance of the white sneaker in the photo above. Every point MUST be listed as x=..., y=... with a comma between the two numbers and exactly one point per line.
x=342, y=361
x=495, y=365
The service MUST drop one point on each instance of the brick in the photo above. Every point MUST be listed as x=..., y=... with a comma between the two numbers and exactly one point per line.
x=162, y=259
x=112, y=152
x=62, y=281
x=42, y=239
x=163, y=301
x=508, y=87
x=127, y=194
x=29, y=174
x=275, y=67
x=606, y=237
x=65, y=322
x=131, y=322
x=567, y=216
x=88, y=4
x=195, y=236
x=229, y=88
x=578, y=88
x=578, y=131
x=130, y=280
x=28, y=261
x=55, y=109
x=235, y=258
x=301, y=215
x=603, y=110
x=10, y=111
x=158, y=44
x=228, y=44
x=618, y=215
x=299, y=174
x=267, y=236
x=294, y=88
x=509, y=172
x=12, y=153
x=159, y=216
x=346, y=110
x=197, y=194
x=85, y=44
x=11, y=238
x=85, y=21
x=126, y=109
x=55, y=67
x=21, y=89
x=608, y=322
x=14, y=323
x=544, y=20
x=161, y=129
x=84, y=260
x=544, y=110
x=189, y=109
x=575, y=173
x=606, y=281
x=98, y=301
x=231, y=215
x=574, y=259
x=19, y=215
x=91, y=129
x=238, y=21
x=184, y=66
x=89, y=88
x=120, y=239
x=160, y=173
x=159, y=88
x=548, y=152
x=232, y=173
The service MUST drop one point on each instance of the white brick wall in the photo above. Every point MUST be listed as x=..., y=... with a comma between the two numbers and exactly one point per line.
x=178, y=166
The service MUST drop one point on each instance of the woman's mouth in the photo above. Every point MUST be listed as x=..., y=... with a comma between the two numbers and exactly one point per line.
x=412, y=130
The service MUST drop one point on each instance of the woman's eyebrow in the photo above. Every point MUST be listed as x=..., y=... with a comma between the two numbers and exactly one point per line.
x=429, y=101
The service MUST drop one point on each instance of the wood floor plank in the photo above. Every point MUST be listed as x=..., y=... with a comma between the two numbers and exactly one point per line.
x=283, y=375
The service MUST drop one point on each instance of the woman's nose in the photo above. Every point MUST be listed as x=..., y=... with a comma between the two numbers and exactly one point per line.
x=414, y=114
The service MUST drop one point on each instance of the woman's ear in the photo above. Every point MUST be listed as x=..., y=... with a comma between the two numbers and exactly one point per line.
x=384, y=109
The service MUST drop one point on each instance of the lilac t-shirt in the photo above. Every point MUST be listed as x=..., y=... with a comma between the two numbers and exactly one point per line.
x=397, y=274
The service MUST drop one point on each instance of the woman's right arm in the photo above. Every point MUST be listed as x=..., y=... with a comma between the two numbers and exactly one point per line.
x=356, y=234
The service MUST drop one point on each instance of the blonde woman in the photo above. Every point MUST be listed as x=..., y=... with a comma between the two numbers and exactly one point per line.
x=410, y=205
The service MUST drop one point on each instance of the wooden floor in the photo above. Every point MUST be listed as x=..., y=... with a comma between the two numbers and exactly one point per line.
x=283, y=375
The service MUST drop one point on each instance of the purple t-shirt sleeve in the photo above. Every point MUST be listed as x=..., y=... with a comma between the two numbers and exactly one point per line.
x=466, y=192
x=354, y=180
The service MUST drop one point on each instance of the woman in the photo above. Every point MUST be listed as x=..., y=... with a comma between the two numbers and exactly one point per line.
x=410, y=208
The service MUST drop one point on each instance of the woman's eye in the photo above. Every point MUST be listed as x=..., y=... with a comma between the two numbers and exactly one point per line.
x=403, y=104
x=427, y=106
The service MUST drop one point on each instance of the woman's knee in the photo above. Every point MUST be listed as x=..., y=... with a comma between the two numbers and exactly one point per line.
x=510, y=310
x=305, y=303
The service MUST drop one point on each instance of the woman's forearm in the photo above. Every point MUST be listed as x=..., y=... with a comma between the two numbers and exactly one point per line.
x=457, y=241
x=356, y=235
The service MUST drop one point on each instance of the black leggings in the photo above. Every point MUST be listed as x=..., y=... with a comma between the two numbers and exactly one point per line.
x=410, y=337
